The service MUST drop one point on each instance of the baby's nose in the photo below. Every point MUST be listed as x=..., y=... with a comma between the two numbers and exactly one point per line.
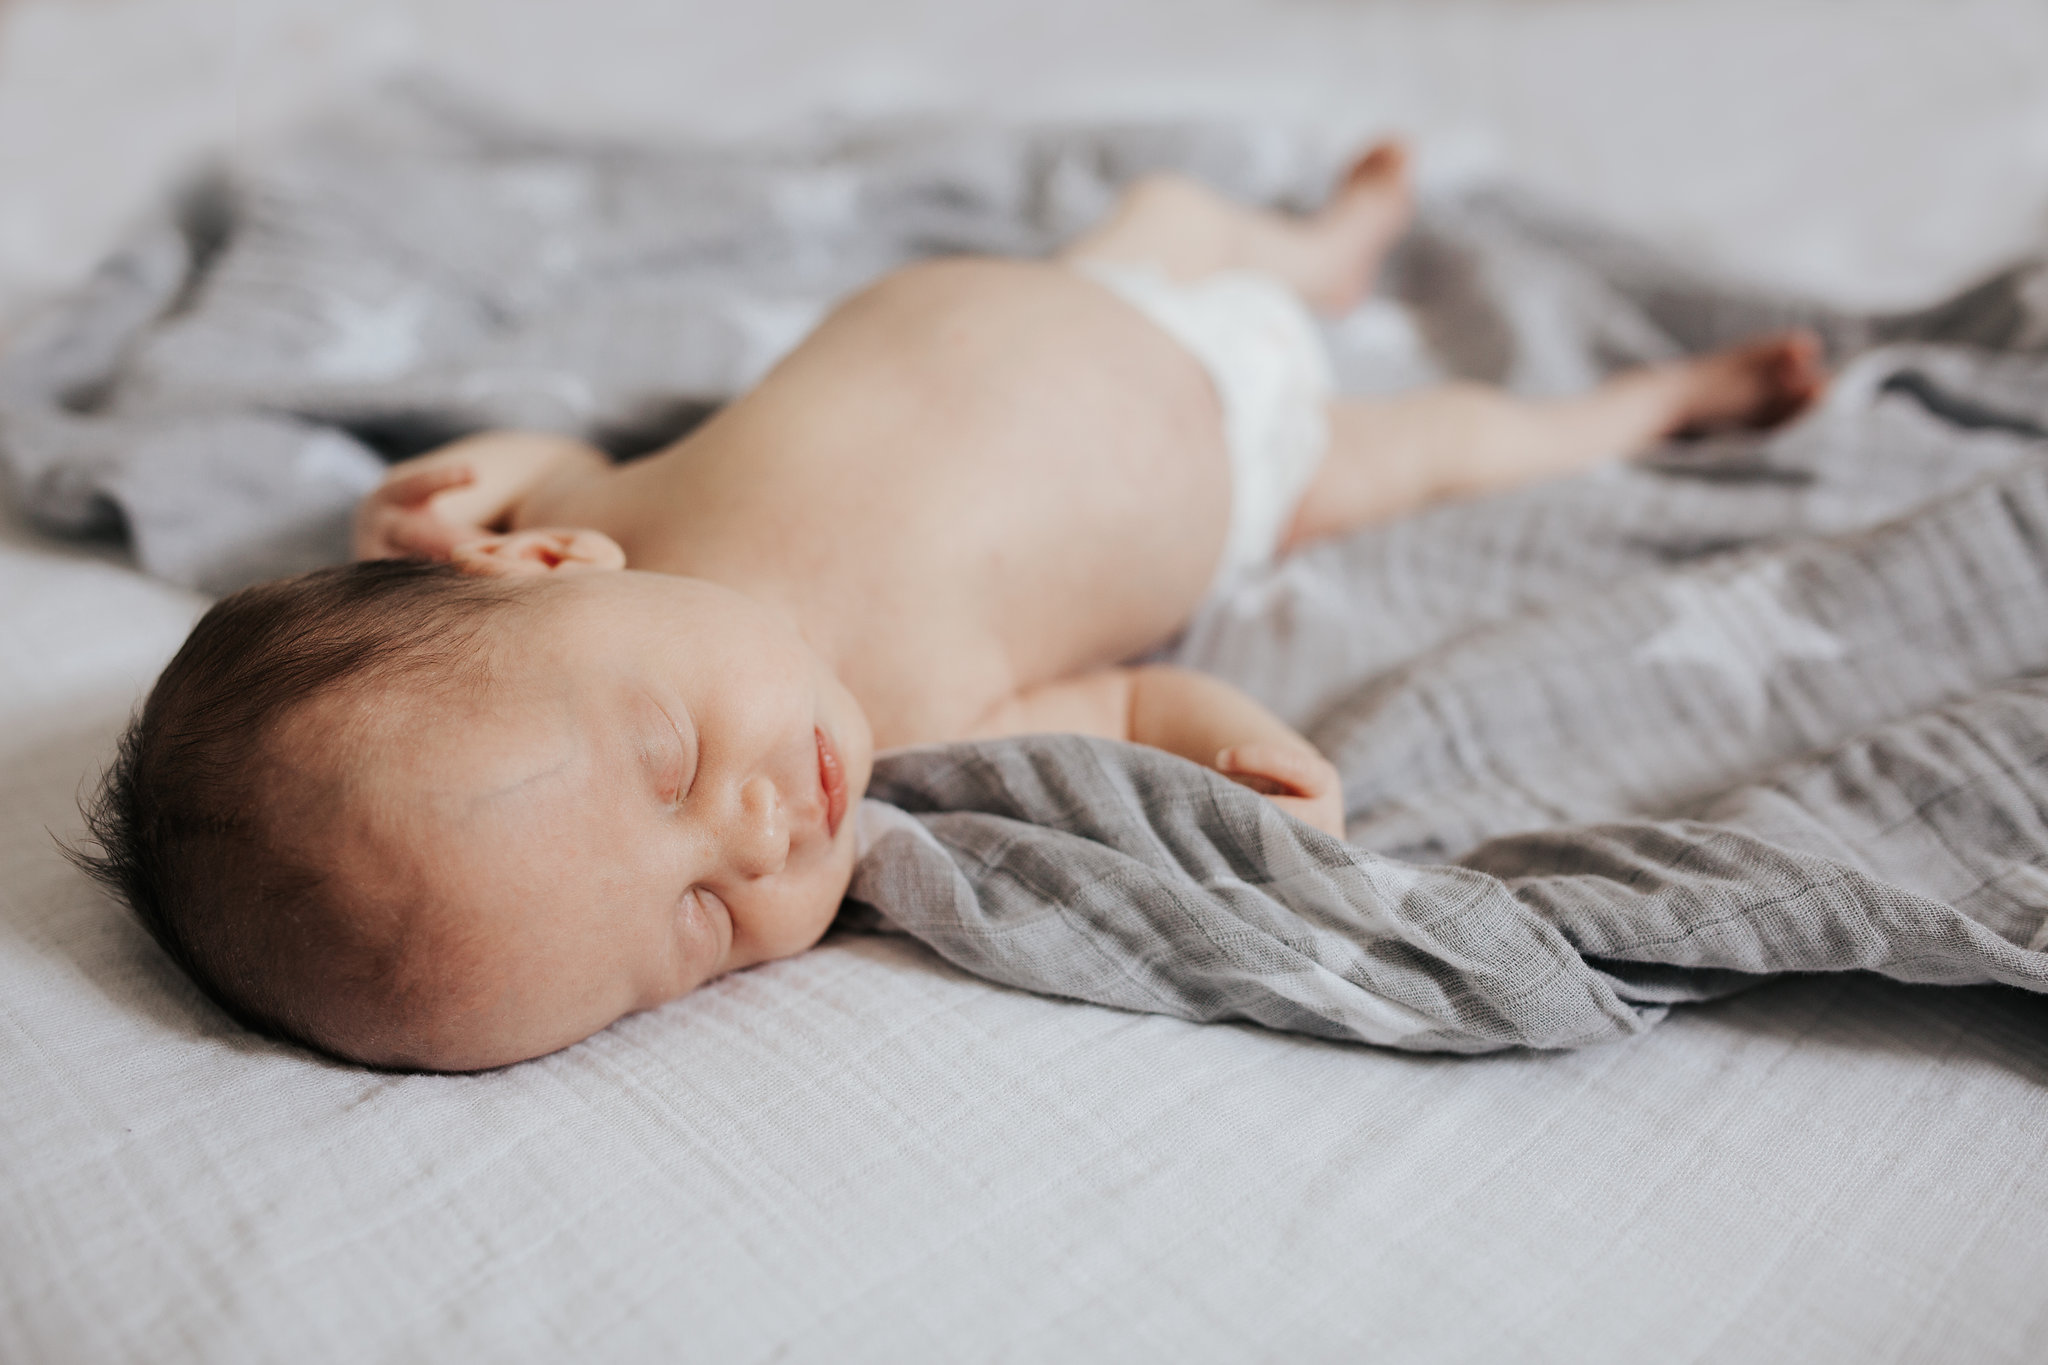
x=758, y=840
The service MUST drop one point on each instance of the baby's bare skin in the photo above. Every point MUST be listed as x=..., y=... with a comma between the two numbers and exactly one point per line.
x=939, y=484
x=953, y=511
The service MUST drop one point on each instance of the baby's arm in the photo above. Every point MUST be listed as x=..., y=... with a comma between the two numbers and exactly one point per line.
x=466, y=489
x=1190, y=714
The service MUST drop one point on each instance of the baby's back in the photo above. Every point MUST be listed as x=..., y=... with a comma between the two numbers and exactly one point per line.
x=987, y=474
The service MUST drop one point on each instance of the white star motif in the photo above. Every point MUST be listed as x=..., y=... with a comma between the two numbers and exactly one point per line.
x=370, y=340
x=769, y=330
x=1737, y=627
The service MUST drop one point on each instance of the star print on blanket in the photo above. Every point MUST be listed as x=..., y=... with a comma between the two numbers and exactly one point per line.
x=1916, y=846
x=1609, y=745
x=1737, y=629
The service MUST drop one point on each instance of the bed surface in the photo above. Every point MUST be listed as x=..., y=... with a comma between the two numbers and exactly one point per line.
x=862, y=1154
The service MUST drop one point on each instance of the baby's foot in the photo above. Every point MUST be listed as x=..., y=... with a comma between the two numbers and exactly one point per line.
x=1755, y=386
x=1364, y=218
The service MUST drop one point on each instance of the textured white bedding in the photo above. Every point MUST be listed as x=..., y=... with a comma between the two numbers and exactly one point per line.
x=861, y=1154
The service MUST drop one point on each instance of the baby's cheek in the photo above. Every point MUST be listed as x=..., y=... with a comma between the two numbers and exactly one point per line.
x=801, y=916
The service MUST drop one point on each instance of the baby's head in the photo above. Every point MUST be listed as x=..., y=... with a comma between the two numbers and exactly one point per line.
x=427, y=818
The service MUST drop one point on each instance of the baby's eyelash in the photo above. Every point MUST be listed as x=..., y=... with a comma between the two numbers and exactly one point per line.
x=687, y=761
x=666, y=767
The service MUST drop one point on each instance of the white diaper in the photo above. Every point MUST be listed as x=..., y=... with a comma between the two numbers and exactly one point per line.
x=1266, y=359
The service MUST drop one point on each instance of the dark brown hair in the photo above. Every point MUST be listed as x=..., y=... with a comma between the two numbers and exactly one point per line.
x=179, y=817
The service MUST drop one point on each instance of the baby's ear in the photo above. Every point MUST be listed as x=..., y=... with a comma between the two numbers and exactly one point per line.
x=544, y=550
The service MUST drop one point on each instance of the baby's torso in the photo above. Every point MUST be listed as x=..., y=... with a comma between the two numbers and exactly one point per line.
x=976, y=476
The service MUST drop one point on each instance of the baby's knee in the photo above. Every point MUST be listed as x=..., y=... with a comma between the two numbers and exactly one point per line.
x=1478, y=427
x=1478, y=415
x=1169, y=194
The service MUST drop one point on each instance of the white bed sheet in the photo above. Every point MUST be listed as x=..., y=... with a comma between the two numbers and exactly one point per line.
x=862, y=1155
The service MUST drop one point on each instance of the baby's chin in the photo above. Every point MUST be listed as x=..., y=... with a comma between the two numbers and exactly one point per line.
x=800, y=927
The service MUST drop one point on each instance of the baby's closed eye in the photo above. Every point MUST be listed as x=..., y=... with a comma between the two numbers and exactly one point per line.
x=671, y=758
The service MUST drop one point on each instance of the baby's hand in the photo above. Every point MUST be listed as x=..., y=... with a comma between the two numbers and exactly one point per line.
x=1295, y=778
x=468, y=489
x=403, y=518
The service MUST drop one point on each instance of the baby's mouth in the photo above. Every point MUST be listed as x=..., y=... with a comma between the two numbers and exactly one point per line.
x=831, y=780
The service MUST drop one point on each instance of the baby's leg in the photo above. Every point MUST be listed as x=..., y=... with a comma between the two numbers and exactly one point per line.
x=1329, y=257
x=1390, y=457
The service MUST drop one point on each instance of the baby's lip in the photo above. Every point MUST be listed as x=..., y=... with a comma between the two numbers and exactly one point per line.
x=831, y=780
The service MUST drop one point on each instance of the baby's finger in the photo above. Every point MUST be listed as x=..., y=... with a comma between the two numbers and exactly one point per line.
x=414, y=487
x=1289, y=771
x=411, y=535
x=1258, y=782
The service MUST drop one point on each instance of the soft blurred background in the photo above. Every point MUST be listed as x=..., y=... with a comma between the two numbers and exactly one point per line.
x=1875, y=152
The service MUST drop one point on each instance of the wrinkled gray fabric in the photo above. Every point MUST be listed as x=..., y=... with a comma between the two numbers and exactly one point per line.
x=1749, y=706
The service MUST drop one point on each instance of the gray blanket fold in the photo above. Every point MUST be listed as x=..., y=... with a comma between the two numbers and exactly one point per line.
x=1745, y=707
x=1125, y=877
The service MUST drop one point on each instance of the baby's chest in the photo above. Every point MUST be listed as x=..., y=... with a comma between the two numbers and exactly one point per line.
x=930, y=684
x=1059, y=431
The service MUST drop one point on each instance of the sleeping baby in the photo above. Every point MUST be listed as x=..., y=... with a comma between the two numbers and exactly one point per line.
x=575, y=738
